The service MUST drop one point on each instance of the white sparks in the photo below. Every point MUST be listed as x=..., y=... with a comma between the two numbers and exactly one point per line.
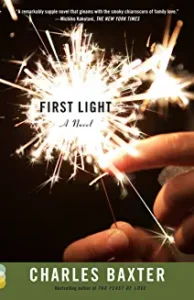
x=11, y=9
x=84, y=78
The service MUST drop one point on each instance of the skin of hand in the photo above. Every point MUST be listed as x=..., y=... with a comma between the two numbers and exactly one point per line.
x=121, y=242
x=173, y=205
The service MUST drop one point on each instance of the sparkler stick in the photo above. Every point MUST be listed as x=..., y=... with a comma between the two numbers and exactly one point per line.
x=85, y=77
x=165, y=235
x=11, y=9
x=109, y=203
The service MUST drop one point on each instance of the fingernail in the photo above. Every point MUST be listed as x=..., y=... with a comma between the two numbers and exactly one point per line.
x=118, y=240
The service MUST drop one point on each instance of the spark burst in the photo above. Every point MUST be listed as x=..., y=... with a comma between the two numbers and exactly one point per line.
x=85, y=75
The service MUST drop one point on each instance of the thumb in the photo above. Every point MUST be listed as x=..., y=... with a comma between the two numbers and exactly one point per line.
x=101, y=246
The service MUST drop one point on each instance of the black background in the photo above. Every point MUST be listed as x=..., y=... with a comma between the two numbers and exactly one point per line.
x=38, y=225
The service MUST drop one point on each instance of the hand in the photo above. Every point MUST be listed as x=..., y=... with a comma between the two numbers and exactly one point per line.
x=121, y=243
x=172, y=206
x=175, y=201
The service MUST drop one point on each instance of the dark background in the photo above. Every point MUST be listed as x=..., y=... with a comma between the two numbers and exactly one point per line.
x=38, y=225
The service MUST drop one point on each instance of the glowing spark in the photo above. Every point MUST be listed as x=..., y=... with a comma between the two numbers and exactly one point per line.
x=164, y=238
x=83, y=75
x=105, y=92
x=11, y=9
x=12, y=35
x=22, y=64
x=165, y=85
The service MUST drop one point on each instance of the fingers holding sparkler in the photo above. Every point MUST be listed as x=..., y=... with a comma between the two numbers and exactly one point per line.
x=87, y=78
x=142, y=247
x=121, y=243
x=155, y=152
x=175, y=201
x=174, y=206
x=101, y=246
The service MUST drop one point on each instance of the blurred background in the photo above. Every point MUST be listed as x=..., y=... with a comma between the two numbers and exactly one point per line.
x=36, y=225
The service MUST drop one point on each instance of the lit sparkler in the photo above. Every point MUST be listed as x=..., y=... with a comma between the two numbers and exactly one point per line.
x=85, y=75
x=166, y=86
x=165, y=237
x=85, y=78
